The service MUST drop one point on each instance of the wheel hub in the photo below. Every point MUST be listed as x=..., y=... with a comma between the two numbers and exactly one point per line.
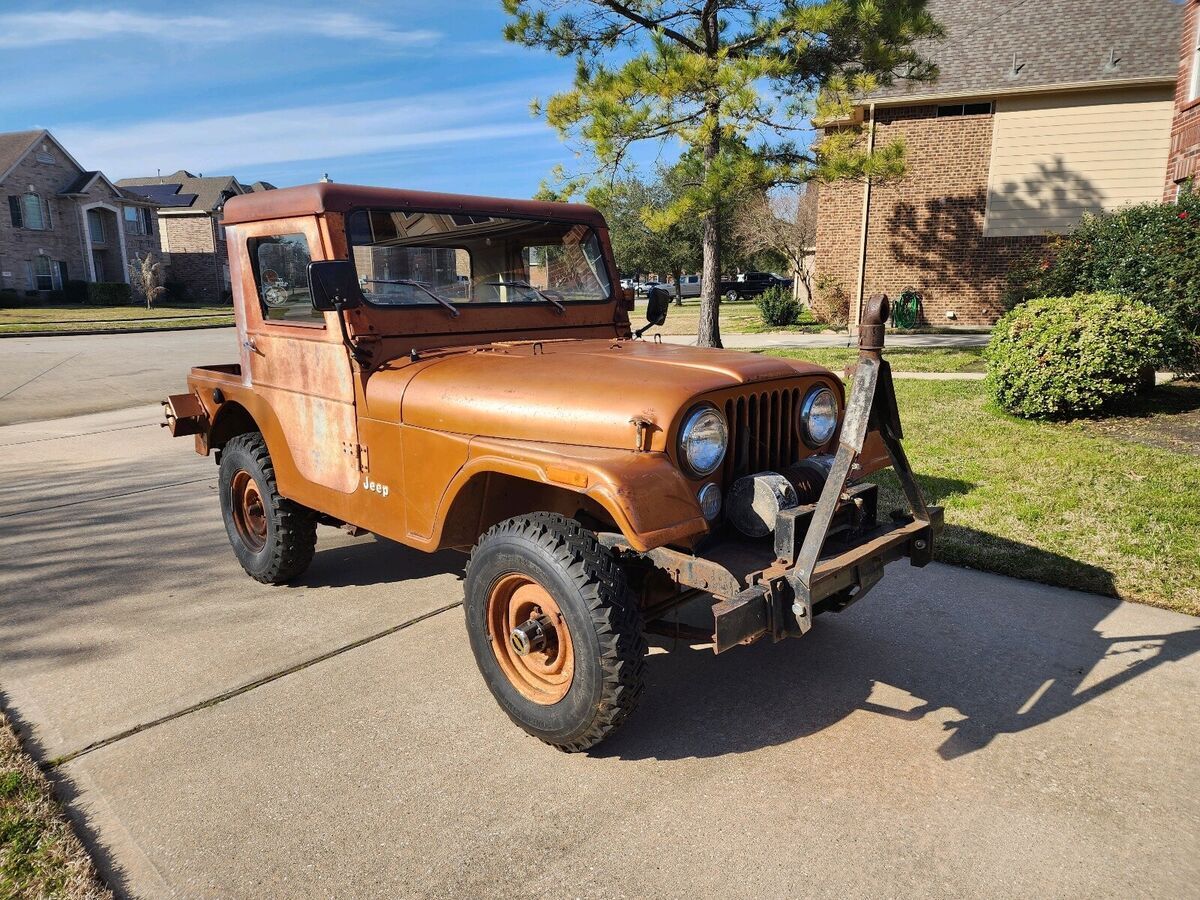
x=249, y=511
x=531, y=635
x=530, y=639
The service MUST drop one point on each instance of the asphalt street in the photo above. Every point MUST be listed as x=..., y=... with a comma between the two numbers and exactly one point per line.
x=956, y=733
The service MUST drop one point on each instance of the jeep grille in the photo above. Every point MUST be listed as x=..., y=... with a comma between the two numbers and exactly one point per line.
x=762, y=432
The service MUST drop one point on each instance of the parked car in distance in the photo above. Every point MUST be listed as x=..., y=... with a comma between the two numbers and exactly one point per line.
x=473, y=382
x=689, y=285
x=750, y=284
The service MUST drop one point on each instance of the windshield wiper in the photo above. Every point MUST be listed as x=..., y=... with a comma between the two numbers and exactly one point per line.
x=446, y=303
x=528, y=286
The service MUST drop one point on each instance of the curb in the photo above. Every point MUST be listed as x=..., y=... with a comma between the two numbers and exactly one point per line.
x=29, y=334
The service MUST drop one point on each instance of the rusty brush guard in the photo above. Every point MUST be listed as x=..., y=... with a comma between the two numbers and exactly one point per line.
x=810, y=571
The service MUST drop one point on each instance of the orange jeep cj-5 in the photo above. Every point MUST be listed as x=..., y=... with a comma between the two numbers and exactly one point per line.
x=460, y=372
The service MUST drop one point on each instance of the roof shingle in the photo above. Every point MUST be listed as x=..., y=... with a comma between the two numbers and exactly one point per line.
x=1053, y=43
x=205, y=193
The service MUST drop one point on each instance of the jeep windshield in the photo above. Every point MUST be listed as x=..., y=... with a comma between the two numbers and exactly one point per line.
x=405, y=258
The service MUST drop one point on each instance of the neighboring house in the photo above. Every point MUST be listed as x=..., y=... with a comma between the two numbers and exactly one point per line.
x=1041, y=112
x=190, y=211
x=61, y=222
x=1184, y=164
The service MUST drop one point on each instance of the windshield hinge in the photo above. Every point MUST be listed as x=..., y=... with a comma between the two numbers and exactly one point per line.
x=359, y=452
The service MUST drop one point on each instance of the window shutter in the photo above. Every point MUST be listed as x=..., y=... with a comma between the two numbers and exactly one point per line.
x=14, y=210
x=46, y=213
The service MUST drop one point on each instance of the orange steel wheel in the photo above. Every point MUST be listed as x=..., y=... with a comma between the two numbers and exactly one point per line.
x=530, y=639
x=249, y=511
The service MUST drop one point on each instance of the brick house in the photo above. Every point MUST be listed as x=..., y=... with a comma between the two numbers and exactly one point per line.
x=61, y=222
x=1183, y=166
x=1040, y=113
x=190, y=213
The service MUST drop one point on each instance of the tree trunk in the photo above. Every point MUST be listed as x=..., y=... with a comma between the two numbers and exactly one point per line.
x=709, y=334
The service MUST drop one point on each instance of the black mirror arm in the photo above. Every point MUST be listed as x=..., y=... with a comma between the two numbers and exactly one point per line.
x=361, y=355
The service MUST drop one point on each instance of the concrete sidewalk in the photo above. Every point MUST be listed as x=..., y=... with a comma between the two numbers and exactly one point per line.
x=956, y=733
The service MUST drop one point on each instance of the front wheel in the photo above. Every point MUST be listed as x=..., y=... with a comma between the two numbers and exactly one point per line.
x=272, y=537
x=731, y=296
x=555, y=631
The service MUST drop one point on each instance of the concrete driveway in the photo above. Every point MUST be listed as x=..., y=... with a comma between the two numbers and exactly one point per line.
x=954, y=734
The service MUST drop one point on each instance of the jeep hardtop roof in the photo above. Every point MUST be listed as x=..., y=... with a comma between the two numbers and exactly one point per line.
x=311, y=199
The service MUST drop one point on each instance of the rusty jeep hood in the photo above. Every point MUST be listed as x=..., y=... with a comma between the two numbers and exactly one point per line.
x=581, y=392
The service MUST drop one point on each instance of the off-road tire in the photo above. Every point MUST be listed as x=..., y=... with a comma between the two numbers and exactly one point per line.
x=291, y=529
x=601, y=614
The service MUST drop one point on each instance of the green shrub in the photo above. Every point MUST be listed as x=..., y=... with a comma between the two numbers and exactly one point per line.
x=109, y=293
x=177, y=291
x=1058, y=357
x=778, y=307
x=75, y=291
x=1149, y=253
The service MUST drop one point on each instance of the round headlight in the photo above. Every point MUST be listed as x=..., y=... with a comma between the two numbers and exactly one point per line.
x=710, y=501
x=819, y=416
x=702, y=440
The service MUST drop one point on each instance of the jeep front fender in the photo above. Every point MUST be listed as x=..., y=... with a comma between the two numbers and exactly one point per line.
x=645, y=493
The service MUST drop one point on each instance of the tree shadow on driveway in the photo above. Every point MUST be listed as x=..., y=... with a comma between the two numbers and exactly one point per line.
x=999, y=655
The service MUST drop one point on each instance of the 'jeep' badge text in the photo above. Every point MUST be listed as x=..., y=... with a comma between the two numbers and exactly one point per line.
x=375, y=486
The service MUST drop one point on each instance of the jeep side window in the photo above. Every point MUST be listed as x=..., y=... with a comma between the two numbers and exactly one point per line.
x=280, y=264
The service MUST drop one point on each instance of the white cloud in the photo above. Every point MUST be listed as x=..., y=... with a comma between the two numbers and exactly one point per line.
x=64, y=26
x=237, y=143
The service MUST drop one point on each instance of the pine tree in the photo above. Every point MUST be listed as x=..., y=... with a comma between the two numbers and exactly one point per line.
x=735, y=81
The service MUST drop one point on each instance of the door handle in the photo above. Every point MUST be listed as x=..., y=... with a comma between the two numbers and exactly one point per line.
x=251, y=345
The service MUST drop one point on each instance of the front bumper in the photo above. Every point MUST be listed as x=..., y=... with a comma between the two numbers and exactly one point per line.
x=759, y=592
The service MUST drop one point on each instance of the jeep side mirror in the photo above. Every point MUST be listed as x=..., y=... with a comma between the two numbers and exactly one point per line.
x=658, y=301
x=333, y=284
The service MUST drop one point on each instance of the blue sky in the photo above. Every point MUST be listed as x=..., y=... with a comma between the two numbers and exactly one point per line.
x=411, y=93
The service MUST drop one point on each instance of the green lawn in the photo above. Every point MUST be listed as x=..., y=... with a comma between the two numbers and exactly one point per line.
x=40, y=856
x=740, y=317
x=1090, y=505
x=80, y=317
x=903, y=359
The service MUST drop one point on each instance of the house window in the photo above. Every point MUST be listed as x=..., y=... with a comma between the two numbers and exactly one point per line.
x=95, y=226
x=965, y=109
x=35, y=212
x=1194, y=81
x=43, y=279
x=137, y=220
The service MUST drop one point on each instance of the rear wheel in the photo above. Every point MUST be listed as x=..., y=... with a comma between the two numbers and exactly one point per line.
x=273, y=538
x=555, y=631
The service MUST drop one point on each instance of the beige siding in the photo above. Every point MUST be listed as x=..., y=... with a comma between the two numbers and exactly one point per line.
x=1057, y=156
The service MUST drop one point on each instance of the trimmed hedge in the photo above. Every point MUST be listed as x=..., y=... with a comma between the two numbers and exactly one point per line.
x=1149, y=253
x=778, y=307
x=109, y=293
x=1059, y=357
